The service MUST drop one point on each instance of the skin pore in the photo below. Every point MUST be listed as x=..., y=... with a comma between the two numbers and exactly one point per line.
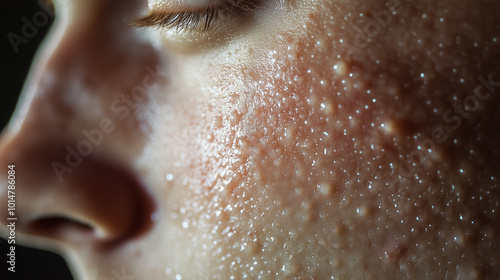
x=308, y=140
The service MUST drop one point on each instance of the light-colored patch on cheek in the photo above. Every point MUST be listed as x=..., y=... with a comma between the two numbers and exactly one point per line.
x=210, y=189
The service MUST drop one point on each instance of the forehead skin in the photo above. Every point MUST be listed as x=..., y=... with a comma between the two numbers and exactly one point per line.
x=329, y=140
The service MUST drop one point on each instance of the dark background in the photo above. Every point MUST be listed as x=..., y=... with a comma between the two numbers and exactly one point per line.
x=30, y=263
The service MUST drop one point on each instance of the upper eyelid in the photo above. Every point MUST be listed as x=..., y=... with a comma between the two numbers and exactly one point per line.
x=164, y=18
x=188, y=6
x=182, y=5
x=180, y=20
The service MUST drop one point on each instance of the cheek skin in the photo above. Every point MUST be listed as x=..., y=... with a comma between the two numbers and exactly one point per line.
x=312, y=165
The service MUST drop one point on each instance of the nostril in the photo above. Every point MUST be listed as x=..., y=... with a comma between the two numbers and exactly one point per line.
x=59, y=227
x=56, y=222
x=101, y=202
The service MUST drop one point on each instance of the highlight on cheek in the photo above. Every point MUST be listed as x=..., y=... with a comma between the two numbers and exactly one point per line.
x=202, y=19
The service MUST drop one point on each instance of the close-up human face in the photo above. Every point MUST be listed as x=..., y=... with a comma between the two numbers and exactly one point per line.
x=262, y=139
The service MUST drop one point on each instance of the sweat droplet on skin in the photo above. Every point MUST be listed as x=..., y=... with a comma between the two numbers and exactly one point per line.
x=340, y=69
x=290, y=135
x=217, y=121
x=325, y=188
x=235, y=117
x=327, y=108
x=362, y=211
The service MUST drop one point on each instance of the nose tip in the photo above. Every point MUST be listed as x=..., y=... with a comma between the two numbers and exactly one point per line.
x=101, y=202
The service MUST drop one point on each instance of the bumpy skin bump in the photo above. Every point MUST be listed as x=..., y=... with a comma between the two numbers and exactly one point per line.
x=320, y=140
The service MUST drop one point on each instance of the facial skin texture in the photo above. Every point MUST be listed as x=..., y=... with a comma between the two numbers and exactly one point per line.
x=287, y=146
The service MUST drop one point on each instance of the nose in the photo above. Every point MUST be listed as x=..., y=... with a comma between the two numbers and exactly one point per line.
x=73, y=141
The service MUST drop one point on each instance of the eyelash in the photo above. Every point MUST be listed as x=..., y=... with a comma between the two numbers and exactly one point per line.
x=190, y=20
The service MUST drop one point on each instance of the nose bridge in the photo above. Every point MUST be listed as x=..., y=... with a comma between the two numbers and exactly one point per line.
x=96, y=61
x=96, y=74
